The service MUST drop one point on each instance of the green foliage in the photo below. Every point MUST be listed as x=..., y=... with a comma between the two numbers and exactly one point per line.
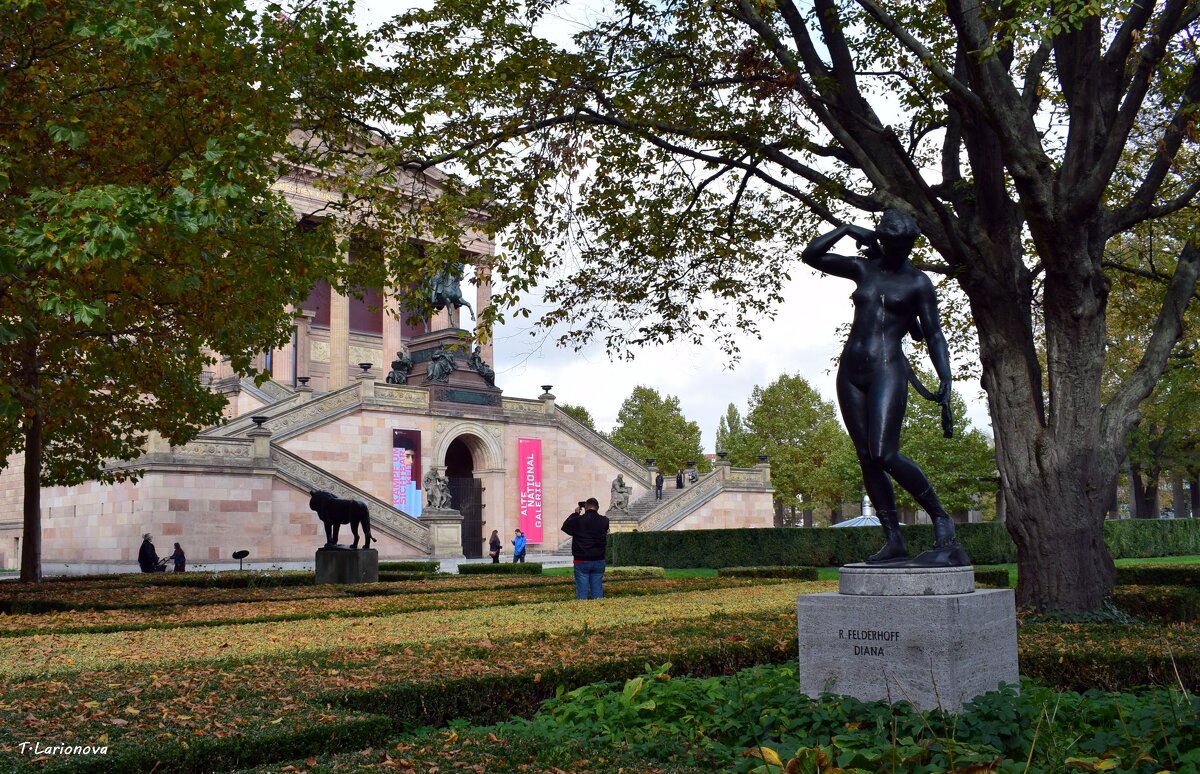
x=961, y=469
x=1164, y=603
x=579, y=414
x=234, y=579
x=1133, y=538
x=734, y=438
x=985, y=543
x=816, y=547
x=626, y=571
x=801, y=573
x=756, y=718
x=140, y=228
x=993, y=578
x=410, y=566
x=811, y=455
x=1159, y=575
x=1111, y=652
x=650, y=425
x=503, y=568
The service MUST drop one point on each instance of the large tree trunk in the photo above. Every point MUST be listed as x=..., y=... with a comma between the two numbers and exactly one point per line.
x=1179, y=503
x=1194, y=481
x=31, y=544
x=1145, y=491
x=1056, y=472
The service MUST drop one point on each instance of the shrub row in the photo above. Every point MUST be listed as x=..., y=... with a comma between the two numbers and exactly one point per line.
x=997, y=578
x=985, y=543
x=636, y=572
x=234, y=579
x=1082, y=657
x=1168, y=604
x=803, y=573
x=235, y=751
x=1159, y=575
x=392, y=577
x=410, y=566
x=492, y=697
x=504, y=568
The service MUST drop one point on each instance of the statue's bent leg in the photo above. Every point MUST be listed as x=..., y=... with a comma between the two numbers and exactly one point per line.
x=943, y=525
x=894, y=549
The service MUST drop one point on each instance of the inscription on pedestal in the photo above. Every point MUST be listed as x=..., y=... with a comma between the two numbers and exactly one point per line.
x=929, y=650
x=861, y=637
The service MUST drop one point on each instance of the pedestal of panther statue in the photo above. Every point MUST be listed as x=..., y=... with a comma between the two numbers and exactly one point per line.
x=344, y=565
x=921, y=635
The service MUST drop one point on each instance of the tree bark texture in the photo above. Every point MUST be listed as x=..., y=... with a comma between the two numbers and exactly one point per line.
x=31, y=543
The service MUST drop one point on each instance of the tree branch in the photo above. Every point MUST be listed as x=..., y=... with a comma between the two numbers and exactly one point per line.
x=1121, y=412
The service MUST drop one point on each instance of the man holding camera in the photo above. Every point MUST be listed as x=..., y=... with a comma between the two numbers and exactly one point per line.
x=589, y=541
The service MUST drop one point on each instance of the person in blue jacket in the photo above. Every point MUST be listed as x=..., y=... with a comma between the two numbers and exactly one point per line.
x=519, y=547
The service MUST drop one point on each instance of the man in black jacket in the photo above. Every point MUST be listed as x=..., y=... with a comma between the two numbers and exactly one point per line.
x=147, y=556
x=589, y=541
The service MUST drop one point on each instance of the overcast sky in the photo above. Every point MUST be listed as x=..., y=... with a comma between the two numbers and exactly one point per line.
x=802, y=339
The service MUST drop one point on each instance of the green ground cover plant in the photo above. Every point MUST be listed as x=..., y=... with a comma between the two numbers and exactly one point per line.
x=756, y=721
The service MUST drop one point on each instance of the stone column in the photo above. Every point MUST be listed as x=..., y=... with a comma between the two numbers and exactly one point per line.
x=260, y=442
x=339, y=327
x=483, y=299
x=393, y=337
x=547, y=400
x=281, y=361
x=303, y=353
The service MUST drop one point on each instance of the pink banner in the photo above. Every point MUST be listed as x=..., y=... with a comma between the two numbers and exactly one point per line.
x=529, y=454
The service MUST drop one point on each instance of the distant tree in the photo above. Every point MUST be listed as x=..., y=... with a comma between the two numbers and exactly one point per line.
x=650, y=425
x=579, y=414
x=733, y=438
x=808, y=448
x=962, y=469
x=1166, y=436
x=139, y=227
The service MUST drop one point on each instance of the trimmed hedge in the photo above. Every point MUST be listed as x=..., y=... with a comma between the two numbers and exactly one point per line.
x=985, y=543
x=495, y=696
x=1159, y=575
x=1167, y=604
x=994, y=578
x=504, y=568
x=235, y=752
x=636, y=572
x=802, y=573
x=390, y=577
x=234, y=579
x=410, y=566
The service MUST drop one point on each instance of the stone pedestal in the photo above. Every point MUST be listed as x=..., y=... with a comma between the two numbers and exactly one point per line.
x=915, y=635
x=445, y=532
x=347, y=566
x=465, y=385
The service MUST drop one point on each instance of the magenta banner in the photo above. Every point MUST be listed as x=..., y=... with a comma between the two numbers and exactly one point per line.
x=529, y=454
x=406, y=471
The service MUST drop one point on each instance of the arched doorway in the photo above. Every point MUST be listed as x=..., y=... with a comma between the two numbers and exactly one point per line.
x=466, y=496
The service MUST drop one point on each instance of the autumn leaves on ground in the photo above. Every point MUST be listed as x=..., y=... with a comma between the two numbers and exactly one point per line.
x=252, y=675
x=181, y=674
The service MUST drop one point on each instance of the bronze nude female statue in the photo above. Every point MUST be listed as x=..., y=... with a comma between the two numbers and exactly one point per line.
x=892, y=298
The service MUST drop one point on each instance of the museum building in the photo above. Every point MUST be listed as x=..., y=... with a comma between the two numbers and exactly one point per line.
x=332, y=418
